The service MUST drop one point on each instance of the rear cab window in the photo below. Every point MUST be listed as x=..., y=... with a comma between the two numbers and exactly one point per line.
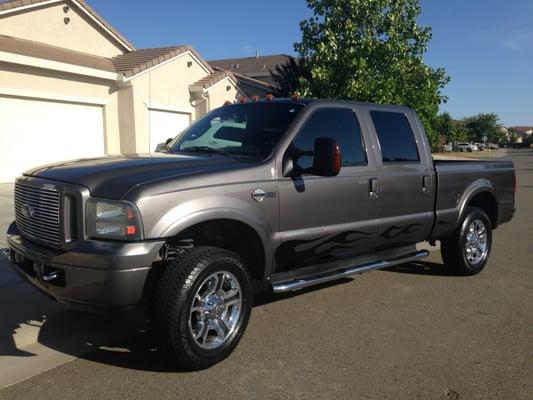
x=395, y=136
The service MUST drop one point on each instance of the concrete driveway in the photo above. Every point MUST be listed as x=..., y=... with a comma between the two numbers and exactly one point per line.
x=7, y=214
x=410, y=332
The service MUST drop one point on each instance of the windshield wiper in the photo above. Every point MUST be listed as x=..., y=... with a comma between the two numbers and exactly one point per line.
x=207, y=149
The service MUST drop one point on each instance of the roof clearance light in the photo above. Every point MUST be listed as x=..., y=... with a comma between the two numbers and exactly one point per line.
x=255, y=98
x=242, y=100
x=296, y=96
x=227, y=103
x=269, y=97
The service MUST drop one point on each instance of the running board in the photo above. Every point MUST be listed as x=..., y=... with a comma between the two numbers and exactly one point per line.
x=298, y=284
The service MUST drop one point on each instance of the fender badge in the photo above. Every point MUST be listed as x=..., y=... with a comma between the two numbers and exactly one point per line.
x=259, y=195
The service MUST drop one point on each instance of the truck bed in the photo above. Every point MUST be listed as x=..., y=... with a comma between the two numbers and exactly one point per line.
x=458, y=179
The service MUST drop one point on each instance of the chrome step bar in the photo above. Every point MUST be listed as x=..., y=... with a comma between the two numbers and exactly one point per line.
x=298, y=284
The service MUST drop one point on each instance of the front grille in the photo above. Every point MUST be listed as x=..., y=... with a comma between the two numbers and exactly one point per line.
x=37, y=213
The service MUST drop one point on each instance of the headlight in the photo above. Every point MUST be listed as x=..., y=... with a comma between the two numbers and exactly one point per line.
x=110, y=219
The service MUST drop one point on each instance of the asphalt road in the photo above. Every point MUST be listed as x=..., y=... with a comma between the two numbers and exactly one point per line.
x=414, y=332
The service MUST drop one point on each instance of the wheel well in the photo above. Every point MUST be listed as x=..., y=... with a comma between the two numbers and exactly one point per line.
x=487, y=202
x=232, y=235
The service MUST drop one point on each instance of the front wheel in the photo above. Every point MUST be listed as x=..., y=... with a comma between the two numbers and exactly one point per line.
x=467, y=250
x=202, y=306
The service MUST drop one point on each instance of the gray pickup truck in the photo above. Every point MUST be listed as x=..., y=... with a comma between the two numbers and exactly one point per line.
x=281, y=194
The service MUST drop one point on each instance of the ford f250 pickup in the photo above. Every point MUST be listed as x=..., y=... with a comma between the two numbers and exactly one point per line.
x=282, y=194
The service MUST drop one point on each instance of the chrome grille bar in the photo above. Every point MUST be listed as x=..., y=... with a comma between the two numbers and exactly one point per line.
x=37, y=213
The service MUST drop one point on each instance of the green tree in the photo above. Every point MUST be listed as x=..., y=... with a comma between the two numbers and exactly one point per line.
x=288, y=76
x=371, y=50
x=445, y=126
x=481, y=125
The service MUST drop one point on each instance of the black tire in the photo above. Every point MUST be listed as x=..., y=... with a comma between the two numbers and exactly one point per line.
x=453, y=249
x=175, y=297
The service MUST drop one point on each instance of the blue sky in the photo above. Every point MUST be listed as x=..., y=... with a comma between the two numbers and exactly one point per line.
x=486, y=46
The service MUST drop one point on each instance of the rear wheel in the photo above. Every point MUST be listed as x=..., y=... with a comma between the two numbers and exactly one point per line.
x=202, y=306
x=467, y=250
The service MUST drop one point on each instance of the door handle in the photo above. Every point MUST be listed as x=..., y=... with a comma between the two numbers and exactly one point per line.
x=425, y=184
x=373, y=188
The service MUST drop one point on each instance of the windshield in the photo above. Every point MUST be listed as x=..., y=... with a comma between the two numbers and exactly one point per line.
x=251, y=130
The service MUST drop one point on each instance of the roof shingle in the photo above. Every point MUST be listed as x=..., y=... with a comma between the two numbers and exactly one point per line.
x=39, y=50
x=261, y=65
x=134, y=62
x=213, y=78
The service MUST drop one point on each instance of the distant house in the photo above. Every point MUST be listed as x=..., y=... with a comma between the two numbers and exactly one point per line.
x=522, y=133
x=252, y=73
x=71, y=86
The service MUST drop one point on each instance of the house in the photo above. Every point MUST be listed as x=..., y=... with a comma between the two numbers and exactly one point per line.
x=258, y=67
x=522, y=133
x=71, y=86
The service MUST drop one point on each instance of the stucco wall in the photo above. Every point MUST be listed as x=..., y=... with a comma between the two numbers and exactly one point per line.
x=46, y=24
x=165, y=87
x=28, y=81
x=221, y=92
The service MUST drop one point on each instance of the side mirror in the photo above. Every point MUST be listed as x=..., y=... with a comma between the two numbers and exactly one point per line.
x=161, y=146
x=326, y=157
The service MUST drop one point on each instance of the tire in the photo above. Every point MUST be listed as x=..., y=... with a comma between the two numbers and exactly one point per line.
x=202, y=307
x=467, y=250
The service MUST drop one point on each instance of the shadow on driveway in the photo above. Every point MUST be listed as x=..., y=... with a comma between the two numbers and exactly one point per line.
x=124, y=340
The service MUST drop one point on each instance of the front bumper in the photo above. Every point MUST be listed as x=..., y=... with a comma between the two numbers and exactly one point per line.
x=93, y=275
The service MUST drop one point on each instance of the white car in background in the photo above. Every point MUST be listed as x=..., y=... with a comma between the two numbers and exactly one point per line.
x=466, y=147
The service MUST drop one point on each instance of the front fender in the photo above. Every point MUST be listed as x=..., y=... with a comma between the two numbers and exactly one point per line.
x=190, y=213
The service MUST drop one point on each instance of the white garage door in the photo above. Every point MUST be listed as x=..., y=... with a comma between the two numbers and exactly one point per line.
x=165, y=125
x=37, y=132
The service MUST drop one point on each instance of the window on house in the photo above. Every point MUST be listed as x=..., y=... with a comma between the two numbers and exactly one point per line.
x=395, y=136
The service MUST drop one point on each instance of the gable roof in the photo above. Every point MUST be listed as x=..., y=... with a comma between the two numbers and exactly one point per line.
x=45, y=51
x=212, y=79
x=14, y=5
x=137, y=61
x=129, y=64
x=251, y=66
x=522, y=130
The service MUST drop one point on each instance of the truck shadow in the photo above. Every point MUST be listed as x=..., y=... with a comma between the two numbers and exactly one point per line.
x=124, y=340
x=422, y=268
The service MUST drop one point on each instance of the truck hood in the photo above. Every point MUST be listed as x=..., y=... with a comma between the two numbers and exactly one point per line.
x=114, y=176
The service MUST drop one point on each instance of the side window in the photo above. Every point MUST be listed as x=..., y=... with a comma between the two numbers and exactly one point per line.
x=395, y=136
x=341, y=125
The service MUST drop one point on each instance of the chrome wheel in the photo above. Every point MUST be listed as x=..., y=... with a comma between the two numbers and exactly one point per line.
x=476, y=248
x=215, y=310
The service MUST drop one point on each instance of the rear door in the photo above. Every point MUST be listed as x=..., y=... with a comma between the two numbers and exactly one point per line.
x=405, y=176
x=323, y=218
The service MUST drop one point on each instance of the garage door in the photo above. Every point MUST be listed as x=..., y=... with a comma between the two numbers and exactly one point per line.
x=166, y=124
x=37, y=132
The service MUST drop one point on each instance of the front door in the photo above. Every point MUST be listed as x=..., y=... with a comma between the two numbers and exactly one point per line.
x=324, y=218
